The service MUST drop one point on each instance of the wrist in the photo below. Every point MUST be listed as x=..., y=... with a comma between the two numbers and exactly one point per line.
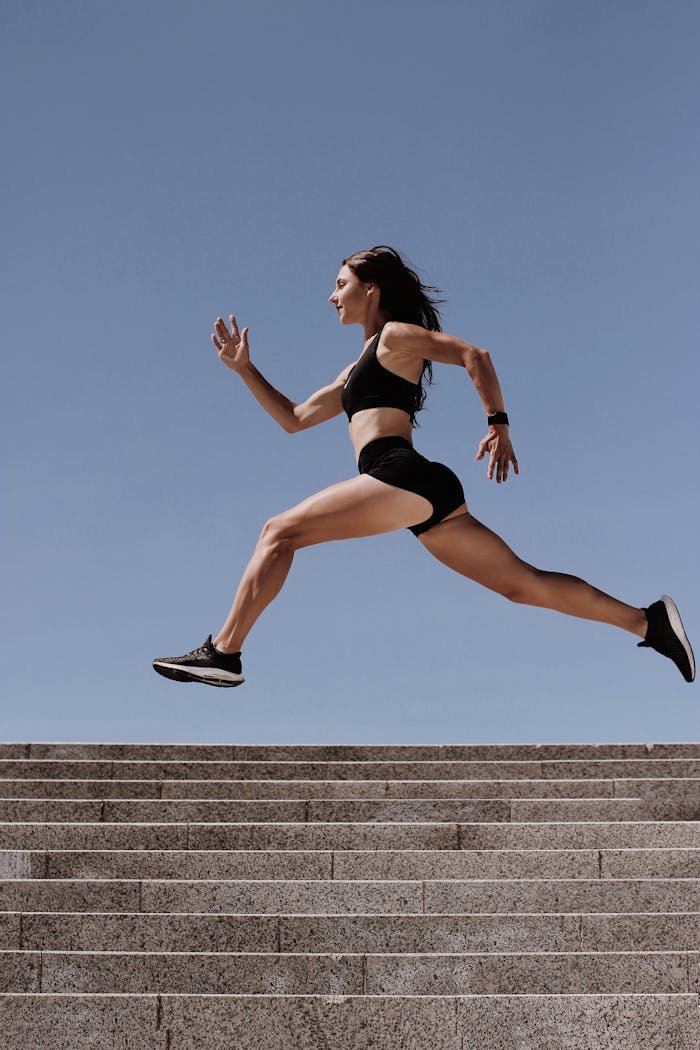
x=496, y=418
x=245, y=371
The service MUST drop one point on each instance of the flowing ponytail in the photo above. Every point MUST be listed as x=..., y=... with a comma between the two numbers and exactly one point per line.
x=402, y=295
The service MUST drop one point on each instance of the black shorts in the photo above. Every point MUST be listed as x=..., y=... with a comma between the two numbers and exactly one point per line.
x=395, y=461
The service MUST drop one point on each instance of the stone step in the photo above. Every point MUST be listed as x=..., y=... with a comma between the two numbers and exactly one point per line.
x=489, y=1022
x=345, y=752
x=34, y=810
x=348, y=896
x=264, y=973
x=649, y=787
x=329, y=789
x=350, y=864
x=345, y=836
x=115, y=931
x=447, y=769
x=341, y=810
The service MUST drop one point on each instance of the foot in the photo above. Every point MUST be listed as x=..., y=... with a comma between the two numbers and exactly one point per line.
x=206, y=665
x=665, y=633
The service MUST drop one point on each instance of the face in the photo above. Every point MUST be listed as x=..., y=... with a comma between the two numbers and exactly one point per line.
x=351, y=297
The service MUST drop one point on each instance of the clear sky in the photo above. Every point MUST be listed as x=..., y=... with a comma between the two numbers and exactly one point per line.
x=164, y=163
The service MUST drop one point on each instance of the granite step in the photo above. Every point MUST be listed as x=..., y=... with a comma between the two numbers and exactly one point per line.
x=649, y=787
x=114, y=810
x=324, y=789
x=292, y=973
x=411, y=769
x=351, y=836
x=489, y=1022
x=345, y=752
x=215, y=811
x=350, y=864
x=506, y=931
x=349, y=896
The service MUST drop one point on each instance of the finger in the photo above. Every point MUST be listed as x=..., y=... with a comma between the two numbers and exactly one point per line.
x=515, y=465
x=244, y=336
x=234, y=326
x=216, y=343
x=221, y=328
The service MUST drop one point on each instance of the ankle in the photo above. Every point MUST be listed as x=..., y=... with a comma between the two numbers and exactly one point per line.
x=641, y=625
x=226, y=649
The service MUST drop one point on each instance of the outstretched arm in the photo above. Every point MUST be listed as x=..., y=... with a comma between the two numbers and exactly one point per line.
x=448, y=349
x=233, y=350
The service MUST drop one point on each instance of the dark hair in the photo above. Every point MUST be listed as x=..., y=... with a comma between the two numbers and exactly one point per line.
x=402, y=295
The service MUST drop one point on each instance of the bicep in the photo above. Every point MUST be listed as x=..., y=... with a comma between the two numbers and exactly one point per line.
x=323, y=405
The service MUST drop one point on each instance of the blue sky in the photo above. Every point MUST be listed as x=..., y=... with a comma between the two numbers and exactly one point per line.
x=166, y=163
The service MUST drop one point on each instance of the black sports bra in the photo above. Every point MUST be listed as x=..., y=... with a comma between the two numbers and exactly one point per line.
x=371, y=385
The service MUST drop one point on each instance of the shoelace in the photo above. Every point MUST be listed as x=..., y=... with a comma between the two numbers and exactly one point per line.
x=204, y=650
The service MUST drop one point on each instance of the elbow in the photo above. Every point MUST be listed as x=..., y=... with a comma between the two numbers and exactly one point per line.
x=476, y=360
x=485, y=362
x=292, y=424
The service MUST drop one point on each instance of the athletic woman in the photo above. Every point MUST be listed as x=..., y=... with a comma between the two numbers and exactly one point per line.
x=398, y=488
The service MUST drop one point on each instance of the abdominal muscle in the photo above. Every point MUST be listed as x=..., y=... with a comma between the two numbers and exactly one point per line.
x=371, y=423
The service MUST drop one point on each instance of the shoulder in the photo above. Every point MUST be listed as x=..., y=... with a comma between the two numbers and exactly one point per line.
x=396, y=332
x=409, y=338
x=414, y=341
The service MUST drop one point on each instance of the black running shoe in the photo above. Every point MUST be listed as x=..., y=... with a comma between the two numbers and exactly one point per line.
x=206, y=665
x=665, y=633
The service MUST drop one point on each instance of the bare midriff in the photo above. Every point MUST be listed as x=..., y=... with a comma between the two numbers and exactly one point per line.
x=371, y=423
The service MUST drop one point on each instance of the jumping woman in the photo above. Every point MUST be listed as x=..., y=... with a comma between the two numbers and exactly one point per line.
x=381, y=392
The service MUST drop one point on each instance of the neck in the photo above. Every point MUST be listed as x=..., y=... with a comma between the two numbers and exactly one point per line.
x=374, y=322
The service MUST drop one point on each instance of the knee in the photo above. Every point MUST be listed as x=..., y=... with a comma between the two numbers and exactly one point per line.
x=513, y=592
x=278, y=533
x=523, y=589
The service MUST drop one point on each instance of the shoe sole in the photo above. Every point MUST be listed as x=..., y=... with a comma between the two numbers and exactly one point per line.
x=181, y=674
x=674, y=618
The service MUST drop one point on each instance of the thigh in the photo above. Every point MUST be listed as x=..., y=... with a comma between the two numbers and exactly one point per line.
x=362, y=506
x=470, y=548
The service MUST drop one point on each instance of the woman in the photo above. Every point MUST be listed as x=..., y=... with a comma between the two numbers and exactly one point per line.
x=397, y=488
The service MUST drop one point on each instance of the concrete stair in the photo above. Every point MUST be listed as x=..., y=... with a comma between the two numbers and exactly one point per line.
x=253, y=897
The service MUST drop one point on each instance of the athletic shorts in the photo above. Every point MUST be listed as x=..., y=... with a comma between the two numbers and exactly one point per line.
x=395, y=461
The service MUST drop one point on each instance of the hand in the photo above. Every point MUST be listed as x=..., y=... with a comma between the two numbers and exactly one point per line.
x=232, y=346
x=501, y=454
